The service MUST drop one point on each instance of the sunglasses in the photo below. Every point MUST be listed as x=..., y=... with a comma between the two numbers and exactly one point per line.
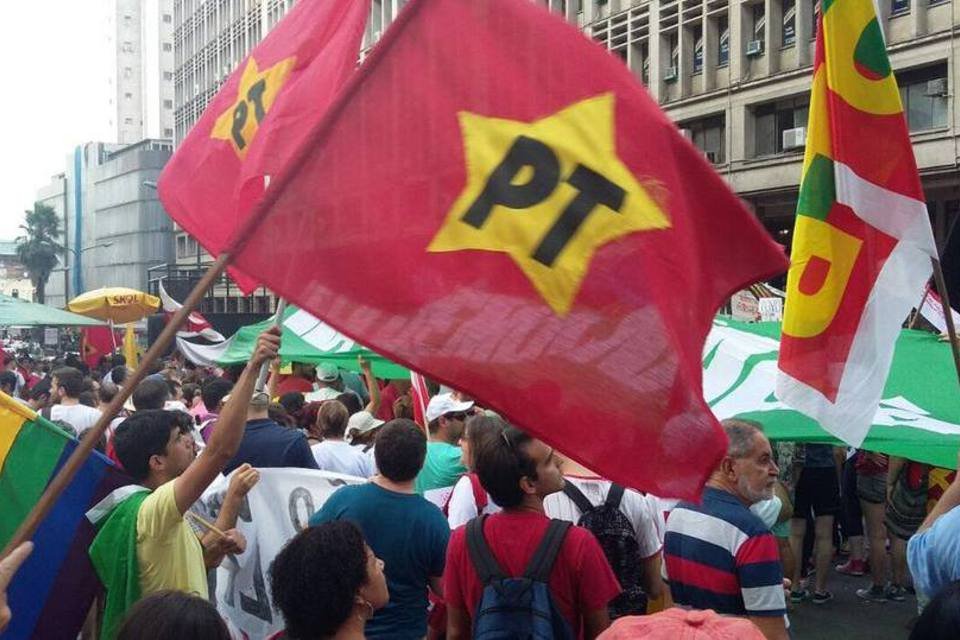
x=460, y=415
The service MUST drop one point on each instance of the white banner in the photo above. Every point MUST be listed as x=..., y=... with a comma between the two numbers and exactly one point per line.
x=771, y=309
x=275, y=510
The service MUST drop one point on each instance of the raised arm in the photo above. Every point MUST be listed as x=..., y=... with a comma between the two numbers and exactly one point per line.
x=226, y=437
x=372, y=387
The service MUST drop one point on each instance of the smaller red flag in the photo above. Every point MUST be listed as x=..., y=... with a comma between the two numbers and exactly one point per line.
x=251, y=126
x=96, y=342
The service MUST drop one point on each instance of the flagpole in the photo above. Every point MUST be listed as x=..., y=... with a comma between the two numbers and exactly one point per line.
x=76, y=460
x=923, y=301
x=265, y=367
x=947, y=313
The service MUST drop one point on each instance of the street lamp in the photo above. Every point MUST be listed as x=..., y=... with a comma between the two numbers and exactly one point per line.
x=76, y=258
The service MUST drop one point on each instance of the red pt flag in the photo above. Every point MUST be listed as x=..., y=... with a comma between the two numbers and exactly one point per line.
x=252, y=125
x=526, y=227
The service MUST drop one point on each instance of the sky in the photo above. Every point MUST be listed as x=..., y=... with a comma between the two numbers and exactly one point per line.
x=55, y=62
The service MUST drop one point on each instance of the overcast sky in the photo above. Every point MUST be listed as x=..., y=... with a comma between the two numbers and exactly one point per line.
x=55, y=61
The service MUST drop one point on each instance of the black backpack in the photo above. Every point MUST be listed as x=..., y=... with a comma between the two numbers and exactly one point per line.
x=520, y=608
x=619, y=543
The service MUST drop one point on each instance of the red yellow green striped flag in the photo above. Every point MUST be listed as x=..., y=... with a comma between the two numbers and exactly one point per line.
x=862, y=242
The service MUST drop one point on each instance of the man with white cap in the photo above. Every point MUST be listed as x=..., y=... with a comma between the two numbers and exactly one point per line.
x=446, y=415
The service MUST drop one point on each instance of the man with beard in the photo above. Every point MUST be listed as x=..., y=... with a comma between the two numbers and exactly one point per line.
x=719, y=555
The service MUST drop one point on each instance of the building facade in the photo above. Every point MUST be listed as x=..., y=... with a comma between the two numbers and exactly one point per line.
x=115, y=228
x=734, y=75
x=14, y=279
x=140, y=35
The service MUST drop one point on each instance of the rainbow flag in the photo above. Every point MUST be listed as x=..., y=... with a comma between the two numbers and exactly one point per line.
x=862, y=242
x=52, y=593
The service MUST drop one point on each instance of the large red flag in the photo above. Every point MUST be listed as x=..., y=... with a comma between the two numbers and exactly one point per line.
x=527, y=228
x=253, y=124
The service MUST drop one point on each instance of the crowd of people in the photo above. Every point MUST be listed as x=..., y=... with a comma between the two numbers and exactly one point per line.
x=469, y=527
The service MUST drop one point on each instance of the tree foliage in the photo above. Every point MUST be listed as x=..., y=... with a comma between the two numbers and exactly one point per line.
x=39, y=246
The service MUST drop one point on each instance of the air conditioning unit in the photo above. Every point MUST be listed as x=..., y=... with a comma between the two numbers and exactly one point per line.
x=794, y=138
x=687, y=133
x=670, y=75
x=711, y=156
x=936, y=88
x=755, y=48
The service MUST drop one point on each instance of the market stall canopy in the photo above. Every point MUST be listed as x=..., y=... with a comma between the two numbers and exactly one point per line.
x=15, y=312
x=304, y=338
x=117, y=304
x=918, y=417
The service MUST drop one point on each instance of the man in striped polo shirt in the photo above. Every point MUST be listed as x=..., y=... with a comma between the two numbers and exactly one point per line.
x=719, y=555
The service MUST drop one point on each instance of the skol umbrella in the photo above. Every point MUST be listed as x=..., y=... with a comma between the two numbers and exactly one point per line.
x=115, y=304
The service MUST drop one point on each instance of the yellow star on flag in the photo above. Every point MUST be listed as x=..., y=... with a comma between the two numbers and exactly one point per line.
x=548, y=193
x=238, y=124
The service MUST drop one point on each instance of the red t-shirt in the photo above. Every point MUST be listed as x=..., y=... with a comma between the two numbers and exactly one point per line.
x=581, y=580
x=294, y=383
x=388, y=395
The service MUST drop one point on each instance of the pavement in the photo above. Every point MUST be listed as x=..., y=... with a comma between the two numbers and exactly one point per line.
x=848, y=617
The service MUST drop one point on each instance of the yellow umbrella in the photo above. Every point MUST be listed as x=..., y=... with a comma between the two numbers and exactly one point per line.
x=116, y=304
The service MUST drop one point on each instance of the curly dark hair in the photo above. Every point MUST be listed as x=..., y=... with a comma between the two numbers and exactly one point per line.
x=173, y=615
x=315, y=577
x=401, y=449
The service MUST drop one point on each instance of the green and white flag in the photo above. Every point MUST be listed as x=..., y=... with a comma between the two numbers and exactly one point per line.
x=304, y=338
x=919, y=413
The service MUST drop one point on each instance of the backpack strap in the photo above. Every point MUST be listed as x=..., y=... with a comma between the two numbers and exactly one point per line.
x=614, y=496
x=546, y=554
x=487, y=567
x=571, y=491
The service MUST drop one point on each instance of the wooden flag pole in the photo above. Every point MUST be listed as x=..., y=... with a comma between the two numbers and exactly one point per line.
x=265, y=367
x=60, y=482
x=947, y=314
x=923, y=301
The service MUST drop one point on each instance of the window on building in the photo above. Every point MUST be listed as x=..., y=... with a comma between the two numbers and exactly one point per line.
x=674, y=46
x=182, y=247
x=128, y=95
x=128, y=121
x=924, y=96
x=167, y=18
x=772, y=119
x=723, y=44
x=167, y=75
x=168, y=104
x=899, y=6
x=789, y=31
x=759, y=21
x=697, y=33
x=127, y=47
x=709, y=135
x=645, y=64
x=127, y=72
x=167, y=46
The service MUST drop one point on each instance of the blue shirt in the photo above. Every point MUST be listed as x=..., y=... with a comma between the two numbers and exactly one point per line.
x=410, y=535
x=934, y=555
x=266, y=444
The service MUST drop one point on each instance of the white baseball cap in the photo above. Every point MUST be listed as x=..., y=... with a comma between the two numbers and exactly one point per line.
x=445, y=403
x=361, y=422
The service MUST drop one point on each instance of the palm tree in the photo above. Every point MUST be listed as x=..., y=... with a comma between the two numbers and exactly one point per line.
x=39, y=247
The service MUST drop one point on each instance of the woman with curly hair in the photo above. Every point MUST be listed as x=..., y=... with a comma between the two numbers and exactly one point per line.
x=327, y=583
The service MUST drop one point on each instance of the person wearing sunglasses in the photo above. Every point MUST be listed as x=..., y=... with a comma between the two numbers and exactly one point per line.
x=446, y=416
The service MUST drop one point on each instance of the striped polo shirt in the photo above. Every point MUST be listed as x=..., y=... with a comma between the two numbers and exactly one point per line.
x=720, y=556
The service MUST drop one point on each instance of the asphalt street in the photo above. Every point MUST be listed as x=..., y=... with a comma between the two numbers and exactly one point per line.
x=847, y=617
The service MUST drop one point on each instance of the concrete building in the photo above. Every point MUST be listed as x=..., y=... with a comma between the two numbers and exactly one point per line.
x=14, y=279
x=140, y=36
x=734, y=75
x=114, y=226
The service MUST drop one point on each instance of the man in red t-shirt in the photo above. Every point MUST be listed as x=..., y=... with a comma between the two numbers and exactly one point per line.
x=518, y=472
x=301, y=379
